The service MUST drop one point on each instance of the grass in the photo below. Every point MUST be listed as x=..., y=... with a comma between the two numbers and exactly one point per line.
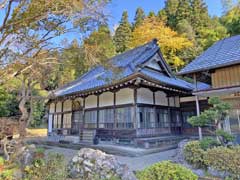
x=36, y=132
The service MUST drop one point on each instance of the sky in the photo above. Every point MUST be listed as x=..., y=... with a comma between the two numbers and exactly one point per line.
x=118, y=6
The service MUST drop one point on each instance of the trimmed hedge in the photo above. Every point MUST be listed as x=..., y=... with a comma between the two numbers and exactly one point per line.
x=224, y=159
x=166, y=170
x=194, y=154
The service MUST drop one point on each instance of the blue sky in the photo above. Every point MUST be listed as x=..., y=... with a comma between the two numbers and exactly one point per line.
x=118, y=6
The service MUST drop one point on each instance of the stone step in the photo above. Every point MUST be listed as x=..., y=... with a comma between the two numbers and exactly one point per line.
x=158, y=141
x=88, y=136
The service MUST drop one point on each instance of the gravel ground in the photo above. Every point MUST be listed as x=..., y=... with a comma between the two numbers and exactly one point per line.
x=134, y=163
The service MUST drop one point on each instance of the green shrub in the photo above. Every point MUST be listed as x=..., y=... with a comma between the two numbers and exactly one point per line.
x=166, y=170
x=194, y=154
x=207, y=143
x=224, y=159
x=224, y=136
x=51, y=169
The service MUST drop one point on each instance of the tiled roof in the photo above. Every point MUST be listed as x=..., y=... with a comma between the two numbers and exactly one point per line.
x=129, y=63
x=223, y=53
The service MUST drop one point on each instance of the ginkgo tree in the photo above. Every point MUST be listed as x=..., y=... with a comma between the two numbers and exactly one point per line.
x=171, y=43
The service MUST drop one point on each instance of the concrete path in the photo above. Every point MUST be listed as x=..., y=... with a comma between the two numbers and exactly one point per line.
x=134, y=163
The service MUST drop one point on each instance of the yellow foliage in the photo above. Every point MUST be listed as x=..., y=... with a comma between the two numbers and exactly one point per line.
x=170, y=41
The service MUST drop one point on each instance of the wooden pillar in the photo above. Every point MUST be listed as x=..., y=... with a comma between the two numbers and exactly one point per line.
x=72, y=100
x=62, y=114
x=83, y=120
x=98, y=111
x=169, y=115
x=154, y=109
x=135, y=108
x=114, y=110
x=197, y=105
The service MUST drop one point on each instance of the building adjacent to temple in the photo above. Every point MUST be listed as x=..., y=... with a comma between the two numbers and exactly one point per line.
x=219, y=66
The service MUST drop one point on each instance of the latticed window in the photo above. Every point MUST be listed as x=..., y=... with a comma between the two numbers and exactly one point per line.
x=90, y=119
x=67, y=120
x=57, y=121
x=106, y=118
x=146, y=118
x=162, y=118
x=124, y=117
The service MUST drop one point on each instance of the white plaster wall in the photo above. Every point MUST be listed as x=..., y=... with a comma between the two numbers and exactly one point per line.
x=106, y=99
x=125, y=96
x=190, y=98
x=145, y=96
x=160, y=98
x=171, y=101
x=52, y=108
x=153, y=64
x=67, y=105
x=91, y=101
x=59, y=106
x=177, y=101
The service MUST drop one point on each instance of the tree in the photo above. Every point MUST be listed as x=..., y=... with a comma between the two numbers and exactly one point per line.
x=27, y=51
x=183, y=11
x=231, y=20
x=199, y=15
x=7, y=103
x=123, y=34
x=139, y=17
x=101, y=46
x=212, y=116
x=72, y=64
x=171, y=42
x=151, y=14
x=171, y=7
x=215, y=31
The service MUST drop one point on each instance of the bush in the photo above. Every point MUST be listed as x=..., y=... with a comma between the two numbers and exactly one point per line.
x=207, y=143
x=51, y=169
x=224, y=159
x=166, y=170
x=6, y=170
x=194, y=154
x=224, y=136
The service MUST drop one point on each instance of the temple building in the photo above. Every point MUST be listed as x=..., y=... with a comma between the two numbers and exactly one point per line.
x=136, y=96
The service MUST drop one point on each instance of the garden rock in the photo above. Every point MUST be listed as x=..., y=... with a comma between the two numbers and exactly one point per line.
x=93, y=164
x=25, y=155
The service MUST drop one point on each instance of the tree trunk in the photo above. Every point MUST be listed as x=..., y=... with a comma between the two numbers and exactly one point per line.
x=24, y=118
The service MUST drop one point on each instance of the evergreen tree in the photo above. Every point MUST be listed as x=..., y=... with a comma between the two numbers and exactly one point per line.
x=101, y=46
x=231, y=20
x=199, y=15
x=183, y=11
x=139, y=17
x=123, y=34
x=171, y=7
x=151, y=14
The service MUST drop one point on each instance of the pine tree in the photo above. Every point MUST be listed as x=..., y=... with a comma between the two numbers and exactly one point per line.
x=171, y=7
x=183, y=11
x=139, y=16
x=123, y=34
x=199, y=15
x=151, y=14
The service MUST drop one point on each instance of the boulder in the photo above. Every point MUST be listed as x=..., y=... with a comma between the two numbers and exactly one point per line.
x=92, y=164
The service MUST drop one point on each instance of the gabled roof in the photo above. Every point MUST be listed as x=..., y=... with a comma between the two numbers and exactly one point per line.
x=131, y=63
x=222, y=53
